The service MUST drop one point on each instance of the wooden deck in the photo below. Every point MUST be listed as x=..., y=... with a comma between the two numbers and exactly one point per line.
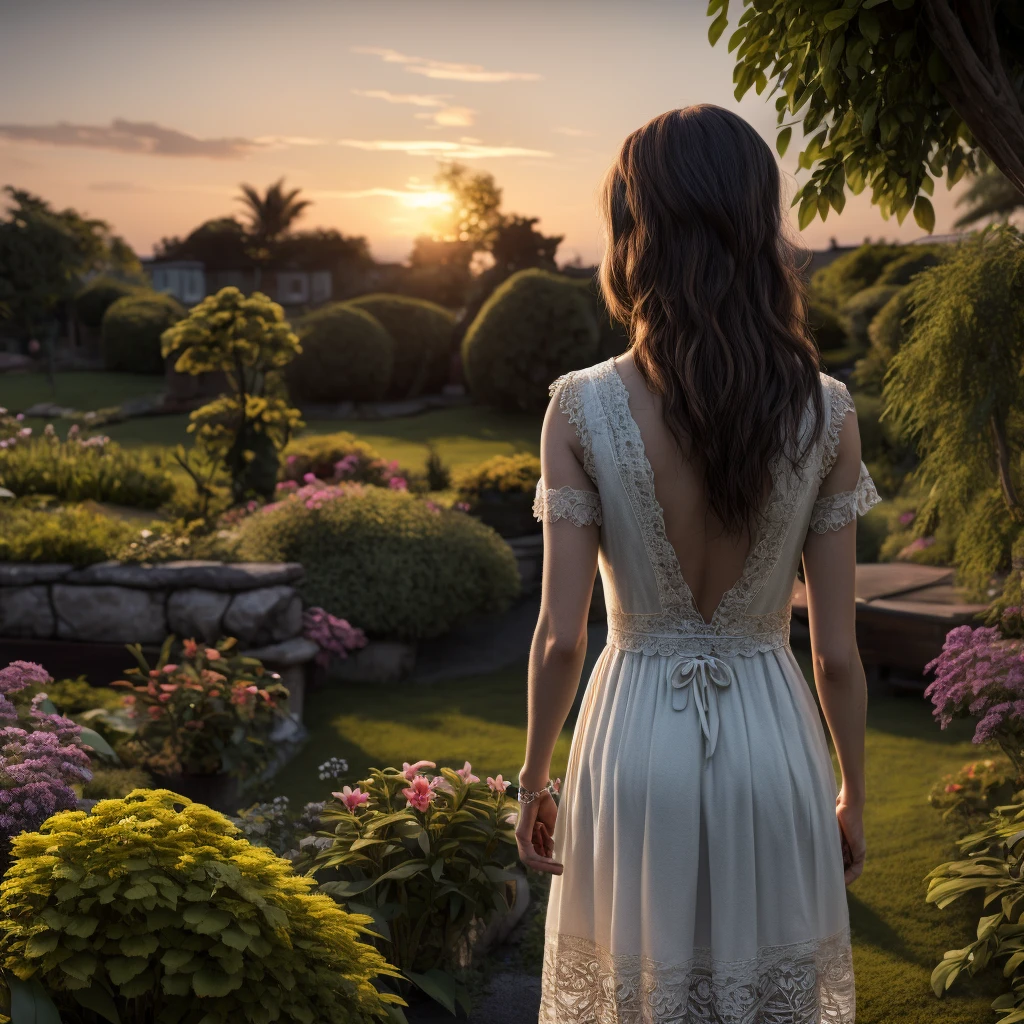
x=904, y=612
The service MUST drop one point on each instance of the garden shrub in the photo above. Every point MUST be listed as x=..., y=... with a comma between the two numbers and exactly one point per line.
x=826, y=325
x=114, y=783
x=152, y=907
x=422, y=333
x=99, y=295
x=534, y=327
x=954, y=389
x=79, y=469
x=500, y=493
x=340, y=456
x=132, y=327
x=390, y=563
x=346, y=355
x=885, y=336
x=917, y=258
x=861, y=309
x=395, y=835
x=71, y=533
x=212, y=711
x=890, y=458
x=248, y=340
x=854, y=271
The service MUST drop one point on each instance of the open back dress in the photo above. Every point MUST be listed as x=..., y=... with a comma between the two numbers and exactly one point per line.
x=703, y=870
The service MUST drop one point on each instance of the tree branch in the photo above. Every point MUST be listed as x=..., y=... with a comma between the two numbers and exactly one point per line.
x=980, y=90
x=1003, y=465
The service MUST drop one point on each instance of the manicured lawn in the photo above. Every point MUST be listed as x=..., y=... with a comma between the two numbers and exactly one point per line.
x=898, y=937
x=463, y=436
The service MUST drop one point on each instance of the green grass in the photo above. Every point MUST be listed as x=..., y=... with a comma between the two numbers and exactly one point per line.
x=898, y=937
x=84, y=390
x=464, y=436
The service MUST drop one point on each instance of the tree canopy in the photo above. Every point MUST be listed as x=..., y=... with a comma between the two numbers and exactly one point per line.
x=891, y=94
x=46, y=254
x=271, y=214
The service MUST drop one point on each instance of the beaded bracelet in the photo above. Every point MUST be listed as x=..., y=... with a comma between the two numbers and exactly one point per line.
x=527, y=796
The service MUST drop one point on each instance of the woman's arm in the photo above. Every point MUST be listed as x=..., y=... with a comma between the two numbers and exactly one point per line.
x=829, y=567
x=560, y=640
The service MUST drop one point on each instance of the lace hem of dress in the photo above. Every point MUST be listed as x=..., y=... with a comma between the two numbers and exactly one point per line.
x=799, y=983
x=836, y=510
x=840, y=403
x=570, y=402
x=581, y=508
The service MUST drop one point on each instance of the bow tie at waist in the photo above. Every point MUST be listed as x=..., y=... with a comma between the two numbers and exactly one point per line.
x=704, y=674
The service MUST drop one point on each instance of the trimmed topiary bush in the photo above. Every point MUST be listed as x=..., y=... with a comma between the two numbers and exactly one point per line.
x=132, y=327
x=500, y=493
x=72, y=534
x=854, y=271
x=346, y=355
x=340, y=456
x=532, y=329
x=422, y=333
x=99, y=295
x=826, y=325
x=387, y=561
x=916, y=259
x=885, y=335
x=862, y=308
x=155, y=908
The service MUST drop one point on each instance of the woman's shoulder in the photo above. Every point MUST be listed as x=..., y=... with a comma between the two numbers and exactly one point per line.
x=572, y=380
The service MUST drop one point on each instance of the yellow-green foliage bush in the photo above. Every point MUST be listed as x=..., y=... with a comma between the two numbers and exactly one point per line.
x=346, y=356
x=154, y=908
x=885, y=335
x=422, y=332
x=85, y=470
x=71, y=533
x=500, y=492
x=390, y=563
x=854, y=271
x=859, y=310
x=534, y=327
x=826, y=325
x=99, y=295
x=320, y=454
x=132, y=327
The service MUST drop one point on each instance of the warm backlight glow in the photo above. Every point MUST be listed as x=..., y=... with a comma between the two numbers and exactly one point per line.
x=427, y=200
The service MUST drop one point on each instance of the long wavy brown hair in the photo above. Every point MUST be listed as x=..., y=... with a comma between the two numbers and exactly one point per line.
x=700, y=270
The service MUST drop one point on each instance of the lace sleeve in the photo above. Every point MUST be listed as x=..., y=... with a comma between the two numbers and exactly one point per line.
x=839, y=404
x=581, y=508
x=836, y=510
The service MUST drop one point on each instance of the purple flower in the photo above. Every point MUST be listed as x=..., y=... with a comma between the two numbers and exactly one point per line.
x=331, y=634
x=906, y=518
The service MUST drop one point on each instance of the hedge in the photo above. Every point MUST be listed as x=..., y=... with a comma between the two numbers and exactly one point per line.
x=132, y=327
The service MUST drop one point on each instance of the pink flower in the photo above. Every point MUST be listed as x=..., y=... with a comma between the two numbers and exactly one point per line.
x=498, y=784
x=466, y=773
x=906, y=518
x=954, y=787
x=291, y=459
x=420, y=793
x=461, y=506
x=398, y=483
x=309, y=478
x=212, y=654
x=410, y=770
x=170, y=669
x=351, y=798
x=155, y=711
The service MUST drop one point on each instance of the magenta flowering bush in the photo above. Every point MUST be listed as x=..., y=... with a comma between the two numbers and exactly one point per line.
x=41, y=758
x=979, y=674
x=339, y=458
x=331, y=634
x=426, y=856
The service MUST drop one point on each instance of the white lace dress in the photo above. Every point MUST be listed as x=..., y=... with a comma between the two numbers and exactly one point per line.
x=703, y=879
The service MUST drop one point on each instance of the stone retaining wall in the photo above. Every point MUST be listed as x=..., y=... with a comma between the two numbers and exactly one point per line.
x=256, y=602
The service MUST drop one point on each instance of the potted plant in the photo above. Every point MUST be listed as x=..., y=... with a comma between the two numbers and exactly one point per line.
x=203, y=721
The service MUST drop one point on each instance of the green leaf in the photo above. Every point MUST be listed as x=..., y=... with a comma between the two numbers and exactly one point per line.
x=715, y=30
x=868, y=4
x=836, y=19
x=808, y=208
x=870, y=25
x=211, y=982
x=138, y=945
x=123, y=968
x=92, y=739
x=436, y=984
x=206, y=920
x=782, y=140
x=98, y=1000
x=404, y=871
x=175, y=959
x=30, y=1002
x=924, y=213
x=41, y=943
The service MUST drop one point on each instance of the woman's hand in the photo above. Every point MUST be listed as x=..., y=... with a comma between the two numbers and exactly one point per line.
x=851, y=826
x=534, y=834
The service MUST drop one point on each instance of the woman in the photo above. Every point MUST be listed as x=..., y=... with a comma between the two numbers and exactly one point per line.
x=699, y=848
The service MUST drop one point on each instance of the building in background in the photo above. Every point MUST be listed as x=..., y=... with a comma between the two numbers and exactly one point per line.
x=189, y=282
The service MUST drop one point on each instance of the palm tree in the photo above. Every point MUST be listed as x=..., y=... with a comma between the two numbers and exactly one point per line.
x=271, y=214
x=990, y=196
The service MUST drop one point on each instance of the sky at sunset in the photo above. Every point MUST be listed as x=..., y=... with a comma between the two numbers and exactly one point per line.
x=149, y=115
